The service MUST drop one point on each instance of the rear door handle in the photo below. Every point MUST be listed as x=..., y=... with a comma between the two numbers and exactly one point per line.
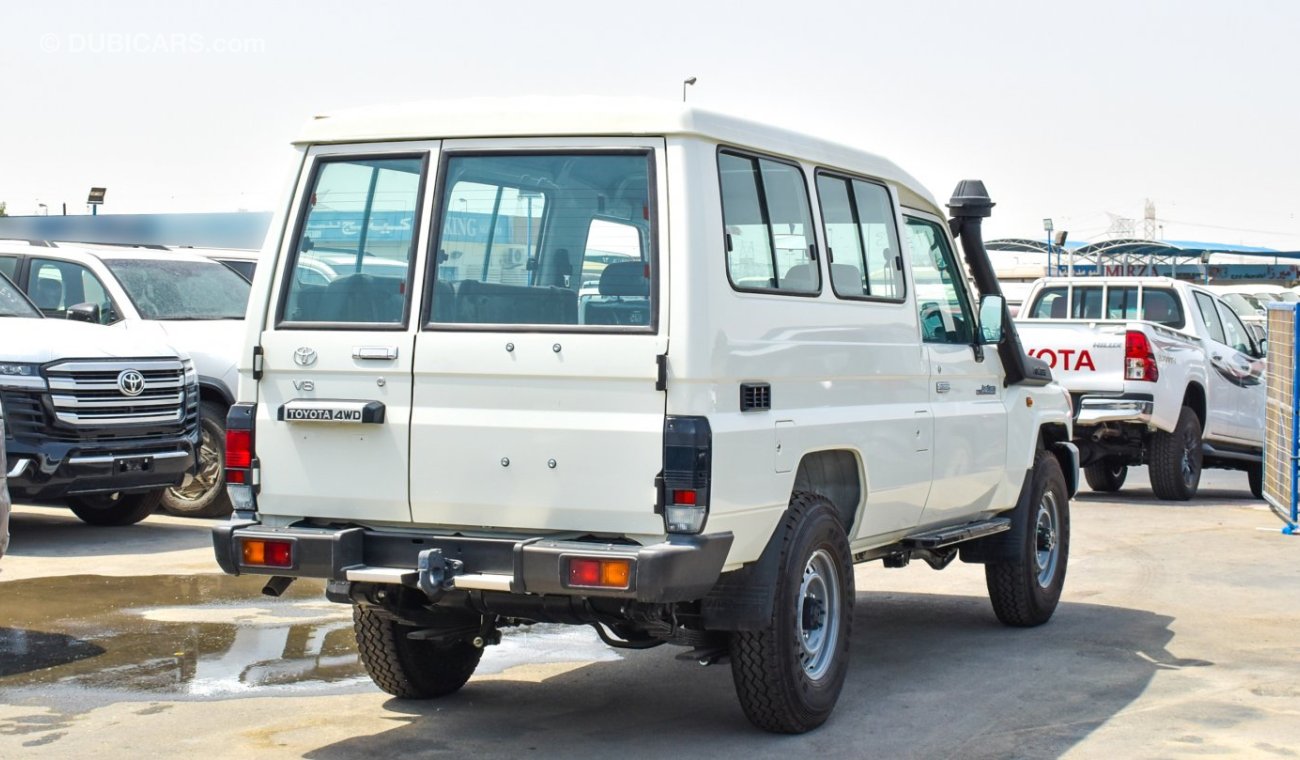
x=942, y=386
x=374, y=353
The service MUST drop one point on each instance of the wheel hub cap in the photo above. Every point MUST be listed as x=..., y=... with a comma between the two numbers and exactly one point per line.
x=1046, y=539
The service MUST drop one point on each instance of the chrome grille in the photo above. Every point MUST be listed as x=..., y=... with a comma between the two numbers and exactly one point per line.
x=86, y=393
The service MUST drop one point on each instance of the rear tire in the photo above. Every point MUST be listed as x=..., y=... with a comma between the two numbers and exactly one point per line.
x=410, y=668
x=1255, y=476
x=788, y=675
x=1026, y=590
x=114, y=509
x=205, y=495
x=1106, y=476
x=1176, y=459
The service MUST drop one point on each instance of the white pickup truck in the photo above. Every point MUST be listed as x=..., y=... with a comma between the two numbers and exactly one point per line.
x=1162, y=373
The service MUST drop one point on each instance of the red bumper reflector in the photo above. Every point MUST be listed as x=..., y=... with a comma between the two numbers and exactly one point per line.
x=264, y=553
x=600, y=573
x=685, y=497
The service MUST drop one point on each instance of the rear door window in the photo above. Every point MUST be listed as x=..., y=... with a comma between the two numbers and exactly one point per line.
x=354, y=249
x=1052, y=303
x=861, y=238
x=1163, y=307
x=556, y=239
x=1210, y=315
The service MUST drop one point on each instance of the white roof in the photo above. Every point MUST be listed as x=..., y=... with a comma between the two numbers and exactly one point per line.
x=74, y=251
x=536, y=116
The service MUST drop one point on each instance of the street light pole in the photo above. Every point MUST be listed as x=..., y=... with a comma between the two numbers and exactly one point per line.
x=687, y=81
x=1056, y=268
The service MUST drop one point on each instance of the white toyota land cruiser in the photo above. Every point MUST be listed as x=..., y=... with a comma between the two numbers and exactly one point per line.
x=641, y=367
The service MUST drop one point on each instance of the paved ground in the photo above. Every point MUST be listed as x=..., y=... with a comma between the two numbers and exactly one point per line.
x=1179, y=636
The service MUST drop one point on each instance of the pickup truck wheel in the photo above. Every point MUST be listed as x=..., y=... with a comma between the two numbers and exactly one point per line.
x=114, y=509
x=1025, y=591
x=788, y=675
x=410, y=668
x=1255, y=476
x=1106, y=475
x=204, y=495
x=1176, y=459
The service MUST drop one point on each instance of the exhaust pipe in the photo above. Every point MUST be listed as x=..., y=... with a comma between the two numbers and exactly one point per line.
x=970, y=205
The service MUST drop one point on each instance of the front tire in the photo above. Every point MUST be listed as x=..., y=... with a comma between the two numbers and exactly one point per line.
x=1026, y=590
x=1106, y=476
x=1176, y=459
x=1255, y=476
x=788, y=675
x=205, y=495
x=114, y=509
x=410, y=668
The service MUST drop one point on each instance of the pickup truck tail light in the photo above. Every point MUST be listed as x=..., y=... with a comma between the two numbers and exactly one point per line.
x=1139, y=358
x=688, y=465
x=241, y=461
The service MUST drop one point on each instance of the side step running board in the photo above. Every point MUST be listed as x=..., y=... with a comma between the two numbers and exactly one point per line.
x=1227, y=453
x=956, y=534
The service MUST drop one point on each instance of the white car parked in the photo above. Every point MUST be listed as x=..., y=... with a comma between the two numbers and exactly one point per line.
x=785, y=372
x=185, y=300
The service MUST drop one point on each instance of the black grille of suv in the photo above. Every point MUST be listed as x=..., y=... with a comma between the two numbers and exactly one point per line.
x=85, y=401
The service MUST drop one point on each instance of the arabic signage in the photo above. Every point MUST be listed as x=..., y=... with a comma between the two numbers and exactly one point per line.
x=1194, y=272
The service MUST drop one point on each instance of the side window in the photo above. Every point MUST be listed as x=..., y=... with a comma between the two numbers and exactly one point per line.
x=1235, y=332
x=8, y=266
x=768, y=225
x=355, y=247
x=57, y=285
x=861, y=239
x=1162, y=306
x=1121, y=303
x=1087, y=303
x=1051, y=304
x=939, y=284
x=1205, y=303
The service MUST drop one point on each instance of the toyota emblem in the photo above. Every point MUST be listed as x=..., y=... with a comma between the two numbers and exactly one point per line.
x=304, y=357
x=130, y=382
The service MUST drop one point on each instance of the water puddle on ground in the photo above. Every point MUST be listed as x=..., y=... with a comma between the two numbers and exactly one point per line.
x=201, y=636
x=212, y=636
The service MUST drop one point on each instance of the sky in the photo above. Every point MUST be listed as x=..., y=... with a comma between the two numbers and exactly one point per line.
x=1073, y=111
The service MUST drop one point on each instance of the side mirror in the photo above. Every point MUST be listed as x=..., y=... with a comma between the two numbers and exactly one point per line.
x=1263, y=347
x=84, y=312
x=991, y=309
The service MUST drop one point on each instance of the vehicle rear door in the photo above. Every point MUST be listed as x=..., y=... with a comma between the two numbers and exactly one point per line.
x=1221, y=402
x=536, y=405
x=333, y=418
x=1243, y=368
x=966, y=393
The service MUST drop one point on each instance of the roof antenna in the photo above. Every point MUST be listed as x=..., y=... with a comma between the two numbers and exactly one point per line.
x=690, y=81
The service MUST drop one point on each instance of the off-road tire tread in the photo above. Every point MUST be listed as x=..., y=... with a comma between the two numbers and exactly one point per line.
x=1166, y=460
x=756, y=658
x=1100, y=478
x=1013, y=586
x=129, y=510
x=409, y=668
x=217, y=502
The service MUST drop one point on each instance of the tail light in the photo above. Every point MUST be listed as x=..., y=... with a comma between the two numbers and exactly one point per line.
x=1139, y=358
x=688, y=462
x=241, y=462
x=593, y=572
x=259, y=552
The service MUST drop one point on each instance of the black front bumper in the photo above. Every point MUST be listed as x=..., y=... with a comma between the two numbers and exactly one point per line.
x=681, y=568
x=87, y=471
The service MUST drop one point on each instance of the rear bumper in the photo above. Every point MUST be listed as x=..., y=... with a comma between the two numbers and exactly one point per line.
x=34, y=474
x=1094, y=410
x=682, y=568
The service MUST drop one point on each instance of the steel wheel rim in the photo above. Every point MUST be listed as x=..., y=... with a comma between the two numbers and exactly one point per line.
x=1047, y=545
x=209, y=475
x=817, y=614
